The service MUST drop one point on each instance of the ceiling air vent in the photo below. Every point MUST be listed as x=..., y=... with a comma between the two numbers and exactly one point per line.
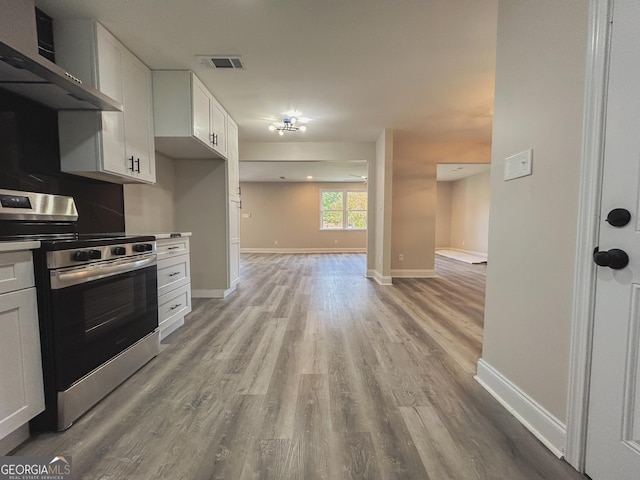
x=216, y=62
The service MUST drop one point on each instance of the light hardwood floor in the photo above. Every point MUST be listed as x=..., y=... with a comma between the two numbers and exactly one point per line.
x=311, y=371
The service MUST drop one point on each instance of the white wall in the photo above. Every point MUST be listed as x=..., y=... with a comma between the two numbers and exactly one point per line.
x=200, y=202
x=150, y=208
x=325, y=151
x=289, y=213
x=443, y=214
x=414, y=207
x=470, y=199
x=540, y=77
x=382, y=194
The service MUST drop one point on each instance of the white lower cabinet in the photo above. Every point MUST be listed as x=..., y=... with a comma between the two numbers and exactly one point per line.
x=21, y=383
x=174, y=283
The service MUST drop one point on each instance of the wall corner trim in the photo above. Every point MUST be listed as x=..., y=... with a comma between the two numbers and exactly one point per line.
x=546, y=427
x=380, y=279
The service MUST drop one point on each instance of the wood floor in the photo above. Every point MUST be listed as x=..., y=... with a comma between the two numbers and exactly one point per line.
x=311, y=371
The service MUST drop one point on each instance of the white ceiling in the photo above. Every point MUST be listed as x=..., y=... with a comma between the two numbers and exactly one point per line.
x=451, y=172
x=288, y=171
x=354, y=67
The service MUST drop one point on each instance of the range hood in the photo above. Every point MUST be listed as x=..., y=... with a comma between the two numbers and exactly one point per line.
x=28, y=74
x=45, y=82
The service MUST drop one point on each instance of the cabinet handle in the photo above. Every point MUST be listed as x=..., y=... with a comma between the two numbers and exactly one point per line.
x=138, y=162
x=173, y=248
x=215, y=139
x=132, y=163
x=175, y=306
x=174, y=274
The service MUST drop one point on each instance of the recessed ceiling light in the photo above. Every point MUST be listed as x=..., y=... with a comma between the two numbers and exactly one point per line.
x=309, y=177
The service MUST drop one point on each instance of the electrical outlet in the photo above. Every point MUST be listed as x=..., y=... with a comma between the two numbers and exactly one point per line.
x=335, y=241
x=275, y=242
x=401, y=257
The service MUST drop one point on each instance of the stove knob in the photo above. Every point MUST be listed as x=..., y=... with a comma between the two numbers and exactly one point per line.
x=140, y=247
x=119, y=251
x=80, y=256
x=95, y=254
x=148, y=247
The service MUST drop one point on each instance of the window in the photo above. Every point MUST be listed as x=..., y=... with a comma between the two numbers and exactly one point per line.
x=343, y=210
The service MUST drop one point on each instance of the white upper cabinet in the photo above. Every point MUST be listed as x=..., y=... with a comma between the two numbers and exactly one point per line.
x=188, y=121
x=219, y=128
x=138, y=118
x=201, y=104
x=112, y=146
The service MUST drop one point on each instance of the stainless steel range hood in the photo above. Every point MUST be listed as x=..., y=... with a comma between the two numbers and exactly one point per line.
x=26, y=73
x=47, y=83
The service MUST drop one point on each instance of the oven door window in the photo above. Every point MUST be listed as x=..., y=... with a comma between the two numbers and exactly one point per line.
x=95, y=321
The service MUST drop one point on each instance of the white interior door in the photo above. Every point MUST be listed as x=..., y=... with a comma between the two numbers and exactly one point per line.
x=613, y=433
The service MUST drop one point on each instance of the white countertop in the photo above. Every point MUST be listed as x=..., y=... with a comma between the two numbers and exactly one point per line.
x=161, y=236
x=19, y=245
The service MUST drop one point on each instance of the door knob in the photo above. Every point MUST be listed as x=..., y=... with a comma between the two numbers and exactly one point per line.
x=614, y=258
x=618, y=217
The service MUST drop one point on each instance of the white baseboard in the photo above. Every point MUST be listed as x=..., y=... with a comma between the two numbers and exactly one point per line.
x=303, y=250
x=547, y=428
x=413, y=273
x=214, y=293
x=380, y=279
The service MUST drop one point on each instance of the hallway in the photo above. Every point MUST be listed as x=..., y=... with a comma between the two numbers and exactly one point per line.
x=310, y=371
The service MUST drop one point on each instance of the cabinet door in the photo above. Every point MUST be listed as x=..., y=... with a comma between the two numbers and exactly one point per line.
x=109, y=54
x=234, y=242
x=201, y=111
x=110, y=81
x=138, y=118
x=218, y=128
x=21, y=386
x=232, y=160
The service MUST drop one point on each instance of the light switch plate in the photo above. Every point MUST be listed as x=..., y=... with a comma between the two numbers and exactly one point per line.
x=518, y=165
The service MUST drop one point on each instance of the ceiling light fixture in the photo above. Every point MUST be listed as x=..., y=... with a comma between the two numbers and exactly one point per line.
x=288, y=125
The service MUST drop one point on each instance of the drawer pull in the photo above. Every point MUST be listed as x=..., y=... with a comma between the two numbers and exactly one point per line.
x=175, y=306
x=174, y=274
x=174, y=248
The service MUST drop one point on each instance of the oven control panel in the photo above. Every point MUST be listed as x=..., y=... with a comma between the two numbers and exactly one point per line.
x=80, y=256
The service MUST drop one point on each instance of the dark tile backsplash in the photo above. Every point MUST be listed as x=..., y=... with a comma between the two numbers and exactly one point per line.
x=30, y=161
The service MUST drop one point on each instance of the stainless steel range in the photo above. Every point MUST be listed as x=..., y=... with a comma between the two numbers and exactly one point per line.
x=97, y=303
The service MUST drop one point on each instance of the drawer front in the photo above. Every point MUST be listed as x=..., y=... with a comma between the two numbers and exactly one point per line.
x=173, y=272
x=16, y=271
x=172, y=247
x=174, y=304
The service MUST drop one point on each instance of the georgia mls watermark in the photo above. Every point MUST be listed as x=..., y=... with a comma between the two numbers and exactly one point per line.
x=35, y=468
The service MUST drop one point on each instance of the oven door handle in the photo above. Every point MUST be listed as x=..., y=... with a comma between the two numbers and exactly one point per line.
x=74, y=276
